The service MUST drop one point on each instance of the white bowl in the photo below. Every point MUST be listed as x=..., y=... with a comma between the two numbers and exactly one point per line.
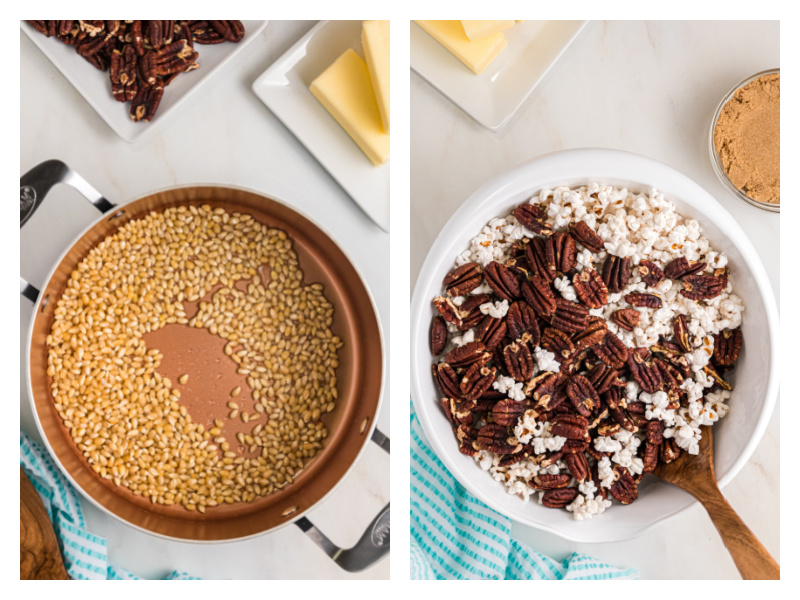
x=755, y=382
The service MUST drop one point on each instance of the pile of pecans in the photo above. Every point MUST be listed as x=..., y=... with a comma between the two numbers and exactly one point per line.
x=127, y=419
x=492, y=388
x=142, y=57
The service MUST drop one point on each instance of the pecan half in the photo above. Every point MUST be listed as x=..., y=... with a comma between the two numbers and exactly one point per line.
x=671, y=376
x=586, y=236
x=582, y=395
x=624, y=488
x=470, y=309
x=680, y=328
x=536, y=254
x=463, y=280
x=564, y=251
x=650, y=457
x=146, y=101
x=668, y=451
x=519, y=361
x=643, y=300
x=491, y=332
x=449, y=311
x=476, y=381
x=569, y=317
x=616, y=273
x=550, y=482
x=646, y=374
x=570, y=426
x=612, y=351
x=508, y=411
x=672, y=354
x=594, y=333
x=533, y=217
x=627, y=318
x=457, y=411
x=650, y=272
x=468, y=354
x=232, y=31
x=703, y=287
x=502, y=281
x=539, y=295
x=124, y=79
x=603, y=377
x=615, y=402
x=159, y=33
x=447, y=380
x=542, y=388
x=578, y=466
x=727, y=346
x=521, y=319
x=495, y=438
x=590, y=288
x=175, y=57
x=682, y=267
x=438, y=335
x=559, y=498
x=654, y=432
x=557, y=342
x=467, y=437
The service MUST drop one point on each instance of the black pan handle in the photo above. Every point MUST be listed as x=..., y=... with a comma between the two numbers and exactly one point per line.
x=34, y=186
x=374, y=543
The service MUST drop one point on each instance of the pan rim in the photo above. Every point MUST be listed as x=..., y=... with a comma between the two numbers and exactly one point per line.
x=367, y=433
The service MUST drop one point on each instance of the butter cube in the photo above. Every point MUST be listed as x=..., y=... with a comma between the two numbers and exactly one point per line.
x=345, y=90
x=476, y=55
x=375, y=40
x=477, y=30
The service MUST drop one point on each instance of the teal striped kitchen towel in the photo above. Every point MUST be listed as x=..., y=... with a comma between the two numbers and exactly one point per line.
x=85, y=554
x=456, y=536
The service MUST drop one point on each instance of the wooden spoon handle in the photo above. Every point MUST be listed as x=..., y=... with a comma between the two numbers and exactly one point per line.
x=750, y=556
x=39, y=555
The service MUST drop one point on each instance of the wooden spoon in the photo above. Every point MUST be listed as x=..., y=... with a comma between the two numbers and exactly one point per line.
x=39, y=555
x=695, y=474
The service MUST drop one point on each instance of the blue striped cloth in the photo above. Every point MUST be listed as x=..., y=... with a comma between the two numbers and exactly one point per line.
x=456, y=536
x=85, y=554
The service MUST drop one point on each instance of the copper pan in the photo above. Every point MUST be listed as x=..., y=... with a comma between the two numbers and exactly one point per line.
x=198, y=353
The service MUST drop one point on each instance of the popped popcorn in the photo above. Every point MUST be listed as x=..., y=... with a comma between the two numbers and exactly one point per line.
x=631, y=225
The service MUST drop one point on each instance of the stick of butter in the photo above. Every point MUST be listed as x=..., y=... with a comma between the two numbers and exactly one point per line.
x=375, y=41
x=345, y=90
x=476, y=55
x=477, y=30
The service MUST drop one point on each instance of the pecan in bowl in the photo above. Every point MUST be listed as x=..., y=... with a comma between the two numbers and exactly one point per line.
x=583, y=342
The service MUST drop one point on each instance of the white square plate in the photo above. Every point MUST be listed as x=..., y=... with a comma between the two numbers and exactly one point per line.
x=284, y=89
x=95, y=87
x=494, y=96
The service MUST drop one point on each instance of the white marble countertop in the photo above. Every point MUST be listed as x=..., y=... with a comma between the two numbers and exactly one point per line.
x=223, y=135
x=649, y=88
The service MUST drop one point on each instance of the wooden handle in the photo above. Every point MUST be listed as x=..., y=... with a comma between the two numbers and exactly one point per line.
x=750, y=556
x=39, y=555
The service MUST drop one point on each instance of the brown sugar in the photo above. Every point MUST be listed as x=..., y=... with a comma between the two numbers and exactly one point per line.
x=747, y=138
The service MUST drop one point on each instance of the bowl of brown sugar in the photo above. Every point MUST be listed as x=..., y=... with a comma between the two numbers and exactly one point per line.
x=745, y=140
